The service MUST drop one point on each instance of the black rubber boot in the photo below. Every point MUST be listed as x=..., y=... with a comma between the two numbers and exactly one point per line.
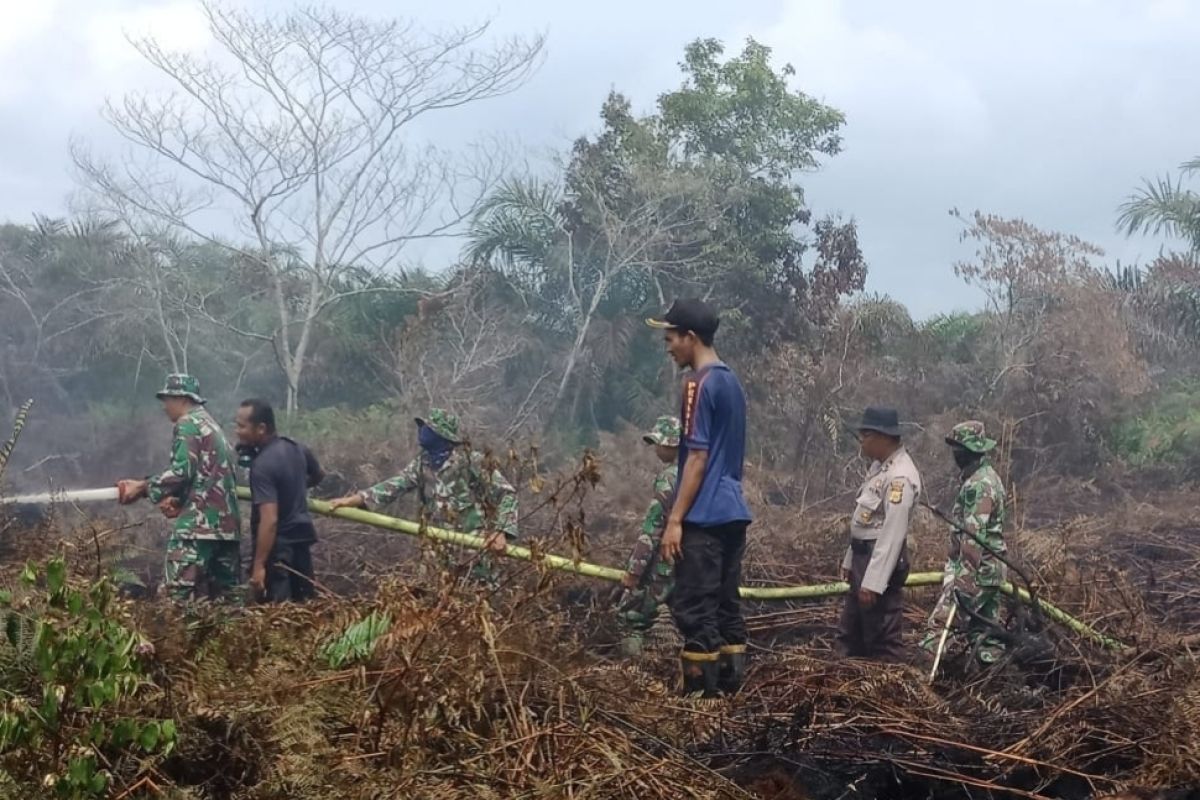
x=732, y=668
x=700, y=673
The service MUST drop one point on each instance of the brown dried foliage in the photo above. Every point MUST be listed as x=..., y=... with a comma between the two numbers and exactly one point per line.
x=470, y=694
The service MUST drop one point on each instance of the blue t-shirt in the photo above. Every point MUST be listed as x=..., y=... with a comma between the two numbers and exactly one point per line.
x=714, y=419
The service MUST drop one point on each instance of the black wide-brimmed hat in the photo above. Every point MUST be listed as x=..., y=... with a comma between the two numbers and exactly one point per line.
x=881, y=420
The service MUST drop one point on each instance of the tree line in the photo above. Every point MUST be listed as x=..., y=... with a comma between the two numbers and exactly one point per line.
x=255, y=230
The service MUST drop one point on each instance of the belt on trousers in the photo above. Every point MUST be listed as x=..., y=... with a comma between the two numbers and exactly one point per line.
x=862, y=546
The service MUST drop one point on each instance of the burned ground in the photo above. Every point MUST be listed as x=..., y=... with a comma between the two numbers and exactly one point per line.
x=518, y=693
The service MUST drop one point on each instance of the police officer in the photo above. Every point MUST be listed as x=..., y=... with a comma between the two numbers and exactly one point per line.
x=876, y=562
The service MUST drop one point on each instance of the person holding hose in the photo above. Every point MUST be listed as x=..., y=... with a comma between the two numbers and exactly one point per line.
x=457, y=489
x=976, y=538
x=281, y=527
x=199, y=492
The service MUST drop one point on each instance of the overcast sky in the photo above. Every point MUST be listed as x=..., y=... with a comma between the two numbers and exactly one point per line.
x=1052, y=110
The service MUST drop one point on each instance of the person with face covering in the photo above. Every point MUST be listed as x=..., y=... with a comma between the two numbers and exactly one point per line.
x=876, y=562
x=979, y=513
x=456, y=487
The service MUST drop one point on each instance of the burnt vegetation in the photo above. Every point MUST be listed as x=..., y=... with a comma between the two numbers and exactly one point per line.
x=404, y=680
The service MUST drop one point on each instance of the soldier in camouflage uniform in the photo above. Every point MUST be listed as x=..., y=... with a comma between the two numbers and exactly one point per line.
x=648, y=579
x=979, y=513
x=198, y=492
x=456, y=487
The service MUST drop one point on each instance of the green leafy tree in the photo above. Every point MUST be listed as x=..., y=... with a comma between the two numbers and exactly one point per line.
x=754, y=135
x=699, y=198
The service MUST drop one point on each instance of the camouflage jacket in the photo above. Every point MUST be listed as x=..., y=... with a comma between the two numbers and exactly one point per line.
x=202, y=477
x=980, y=509
x=650, y=537
x=464, y=495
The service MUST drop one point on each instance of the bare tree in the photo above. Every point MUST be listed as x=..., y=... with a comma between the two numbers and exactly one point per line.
x=1022, y=271
x=664, y=227
x=161, y=295
x=299, y=140
x=54, y=289
x=1057, y=354
x=457, y=355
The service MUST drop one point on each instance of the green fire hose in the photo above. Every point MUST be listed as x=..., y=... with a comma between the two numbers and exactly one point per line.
x=579, y=567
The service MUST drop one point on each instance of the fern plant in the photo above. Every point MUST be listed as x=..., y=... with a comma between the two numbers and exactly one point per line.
x=357, y=642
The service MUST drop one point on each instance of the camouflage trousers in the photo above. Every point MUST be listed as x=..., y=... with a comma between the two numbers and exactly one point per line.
x=642, y=626
x=985, y=602
x=201, y=569
x=485, y=571
x=475, y=566
x=639, y=608
x=979, y=590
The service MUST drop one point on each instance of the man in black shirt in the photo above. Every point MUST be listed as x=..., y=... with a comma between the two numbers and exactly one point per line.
x=281, y=528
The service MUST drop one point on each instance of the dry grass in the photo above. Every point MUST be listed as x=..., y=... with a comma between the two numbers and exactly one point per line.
x=515, y=694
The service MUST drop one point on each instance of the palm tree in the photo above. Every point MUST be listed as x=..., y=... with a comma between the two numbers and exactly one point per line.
x=521, y=229
x=1161, y=304
x=581, y=258
x=519, y=224
x=1162, y=206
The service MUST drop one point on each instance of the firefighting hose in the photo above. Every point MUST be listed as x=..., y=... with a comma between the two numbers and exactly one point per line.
x=579, y=567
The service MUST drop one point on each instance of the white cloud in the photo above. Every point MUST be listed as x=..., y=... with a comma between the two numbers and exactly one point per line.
x=1169, y=11
x=177, y=25
x=71, y=54
x=1050, y=110
x=877, y=75
x=25, y=24
x=23, y=20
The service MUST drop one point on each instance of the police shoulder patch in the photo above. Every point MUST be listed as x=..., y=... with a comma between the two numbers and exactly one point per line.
x=896, y=491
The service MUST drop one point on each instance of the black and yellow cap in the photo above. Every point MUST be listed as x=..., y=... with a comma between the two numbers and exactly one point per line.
x=689, y=314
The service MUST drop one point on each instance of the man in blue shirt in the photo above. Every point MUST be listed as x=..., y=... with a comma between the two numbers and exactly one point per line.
x=705, y=536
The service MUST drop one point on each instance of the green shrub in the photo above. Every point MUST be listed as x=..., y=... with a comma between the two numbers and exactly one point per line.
x=67, y=667
x=380, y=422
x=1165, y=432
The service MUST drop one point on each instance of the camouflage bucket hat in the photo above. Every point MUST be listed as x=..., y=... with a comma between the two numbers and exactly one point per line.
x=179, y=384
x=666, y=431
x=970, y=435
x=443, y=423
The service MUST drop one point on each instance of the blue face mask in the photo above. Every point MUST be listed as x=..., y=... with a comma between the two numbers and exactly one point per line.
x=436, y=448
